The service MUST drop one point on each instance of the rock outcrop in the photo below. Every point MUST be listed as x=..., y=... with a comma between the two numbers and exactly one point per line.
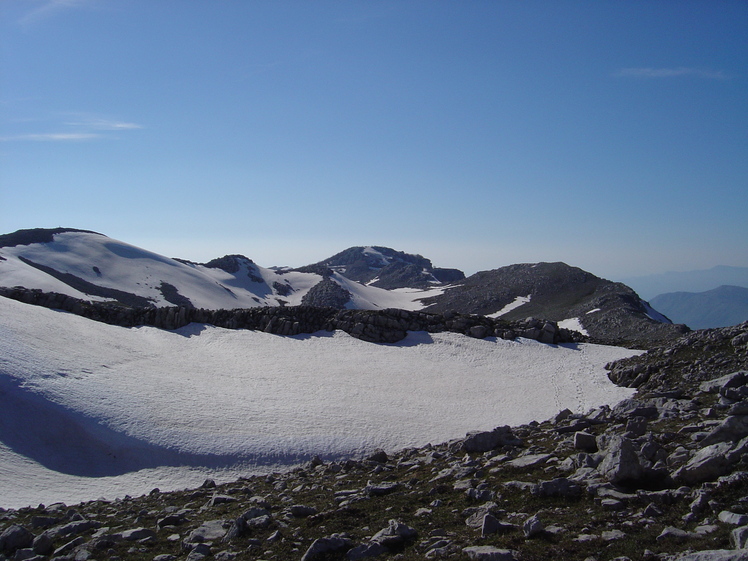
x=378, y=326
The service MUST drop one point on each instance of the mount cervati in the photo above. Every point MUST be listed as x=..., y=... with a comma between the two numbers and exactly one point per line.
x=92, y=267
x=368, y=406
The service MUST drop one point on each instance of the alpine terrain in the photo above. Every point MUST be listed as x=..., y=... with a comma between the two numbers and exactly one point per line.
x=91, y=267
x=370, y=405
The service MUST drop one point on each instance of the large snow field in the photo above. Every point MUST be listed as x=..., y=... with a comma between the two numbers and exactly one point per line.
x=90, y=410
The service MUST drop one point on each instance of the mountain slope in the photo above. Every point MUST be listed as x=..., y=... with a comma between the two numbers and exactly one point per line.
x=605, y=310
x=90, y=266
x=721, y=307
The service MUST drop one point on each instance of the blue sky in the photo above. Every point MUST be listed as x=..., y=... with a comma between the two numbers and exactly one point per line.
x=610, y=135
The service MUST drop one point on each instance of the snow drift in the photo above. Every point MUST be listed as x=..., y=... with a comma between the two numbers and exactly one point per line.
x=92, y=410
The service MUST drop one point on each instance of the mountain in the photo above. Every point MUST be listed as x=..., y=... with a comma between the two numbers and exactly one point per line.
x=689, y=281
x=92, y=267
x=386, y=268
x=605, y=310
x=720, y=307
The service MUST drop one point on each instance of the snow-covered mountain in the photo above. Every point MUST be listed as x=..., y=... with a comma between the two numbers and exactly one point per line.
x=92, y=266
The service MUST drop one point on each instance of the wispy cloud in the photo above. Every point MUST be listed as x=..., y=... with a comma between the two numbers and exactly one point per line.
x=77, y=128
x=49, y=8
x=51, y=137
x=104, y=125
x=670, y=73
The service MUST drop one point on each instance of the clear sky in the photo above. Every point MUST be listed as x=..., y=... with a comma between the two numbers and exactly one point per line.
x=612, y=135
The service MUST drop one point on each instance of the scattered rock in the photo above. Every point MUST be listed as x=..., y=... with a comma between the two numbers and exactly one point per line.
x=321, y=548
x=489, y=553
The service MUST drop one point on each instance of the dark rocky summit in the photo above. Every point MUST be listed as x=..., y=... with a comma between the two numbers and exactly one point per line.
x=387, y=268
x=610, y=312
x=660, y=476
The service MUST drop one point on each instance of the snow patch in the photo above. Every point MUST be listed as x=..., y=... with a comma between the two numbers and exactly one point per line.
x=383, y=259
x=366, y=297
x=516, y=303
x=573, y=324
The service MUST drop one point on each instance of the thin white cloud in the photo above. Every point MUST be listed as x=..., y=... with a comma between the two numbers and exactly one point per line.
x=49, y=8
x=670, y=73
x=104, y=125
x=80, y=127
x=51, y=137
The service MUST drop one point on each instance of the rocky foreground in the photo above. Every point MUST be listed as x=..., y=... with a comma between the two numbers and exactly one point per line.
x=662, y=476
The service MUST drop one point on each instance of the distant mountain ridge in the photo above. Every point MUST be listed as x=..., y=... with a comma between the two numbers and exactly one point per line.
x=688, y=281
x=721, y=307
x=90, y=266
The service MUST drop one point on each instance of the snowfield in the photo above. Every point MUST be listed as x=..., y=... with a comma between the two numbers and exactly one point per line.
x=92, y=410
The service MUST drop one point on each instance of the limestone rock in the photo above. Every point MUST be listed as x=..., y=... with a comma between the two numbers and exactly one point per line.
x=739, y=538
x=585, y=441
x=733, y=518
x=706, y=465
x=490, y=440
x=732, y=428
x=395, y=534
x=15, y=537
x=321, y=548
x=212, y=530
x=136, y=534
x=528, y=461
x=533, y=527
x=489, y=553
x=621, y=462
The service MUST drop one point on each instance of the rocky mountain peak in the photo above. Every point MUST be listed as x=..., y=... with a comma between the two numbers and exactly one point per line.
x=608, y=311
x=387, y=268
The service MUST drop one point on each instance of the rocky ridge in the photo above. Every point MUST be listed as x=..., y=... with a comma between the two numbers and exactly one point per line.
x=377, y=326
x=661, y=476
